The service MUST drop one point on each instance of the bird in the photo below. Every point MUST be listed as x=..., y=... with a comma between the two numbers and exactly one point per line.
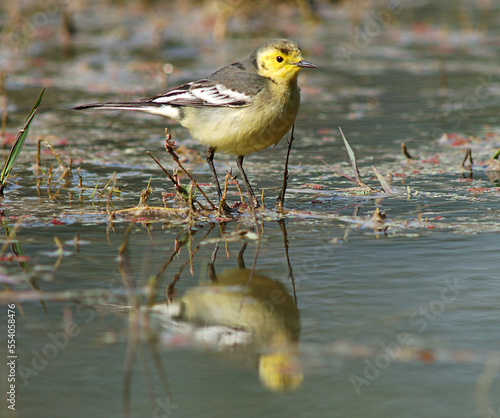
x=242, y=108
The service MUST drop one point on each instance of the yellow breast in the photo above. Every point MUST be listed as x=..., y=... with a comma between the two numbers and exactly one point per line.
x=244, y=130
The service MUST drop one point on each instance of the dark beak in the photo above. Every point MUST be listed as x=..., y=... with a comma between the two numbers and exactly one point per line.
x=305, y=64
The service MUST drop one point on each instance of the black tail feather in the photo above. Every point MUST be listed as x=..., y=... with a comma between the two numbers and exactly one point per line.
x=111, y=105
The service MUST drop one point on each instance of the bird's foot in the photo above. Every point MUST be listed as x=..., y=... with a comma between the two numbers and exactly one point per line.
x=225, y=209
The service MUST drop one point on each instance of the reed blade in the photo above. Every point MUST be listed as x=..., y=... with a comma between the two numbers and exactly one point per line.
x=18, y=143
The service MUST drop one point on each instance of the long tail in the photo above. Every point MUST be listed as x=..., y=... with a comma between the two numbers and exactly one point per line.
x=160, y=109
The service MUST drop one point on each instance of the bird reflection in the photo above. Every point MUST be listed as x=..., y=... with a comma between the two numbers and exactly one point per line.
x=243, y=309
x=259, y=305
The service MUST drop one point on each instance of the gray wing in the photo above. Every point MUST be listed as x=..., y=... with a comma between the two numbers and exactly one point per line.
x=231, y=86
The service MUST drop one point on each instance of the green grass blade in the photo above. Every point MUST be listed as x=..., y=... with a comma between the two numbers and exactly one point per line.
x=19, y=143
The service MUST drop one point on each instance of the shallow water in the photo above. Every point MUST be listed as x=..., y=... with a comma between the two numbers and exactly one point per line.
x=398, y=317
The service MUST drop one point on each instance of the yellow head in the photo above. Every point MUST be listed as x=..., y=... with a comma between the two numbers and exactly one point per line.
x=280, y=371
x=280, y=60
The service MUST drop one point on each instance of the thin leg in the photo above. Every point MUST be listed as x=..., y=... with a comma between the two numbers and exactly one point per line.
x=210, y=161
x=240, y=260
x=212, y=276
x=239, y=162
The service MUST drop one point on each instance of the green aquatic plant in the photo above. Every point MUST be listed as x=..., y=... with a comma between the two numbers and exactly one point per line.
x=10, y=161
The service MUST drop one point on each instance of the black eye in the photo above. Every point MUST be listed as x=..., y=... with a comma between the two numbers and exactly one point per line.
x=279, y=58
